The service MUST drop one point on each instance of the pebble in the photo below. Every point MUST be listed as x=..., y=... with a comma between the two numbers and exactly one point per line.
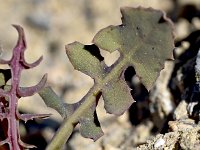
x=159, y=143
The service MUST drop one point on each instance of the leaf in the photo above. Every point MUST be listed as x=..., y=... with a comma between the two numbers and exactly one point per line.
x=117, y=98
x=25, y=145
x=2, y=79
x=90, y=126
x=4, y=142
x=5, y=75
x=29, y=91
x=144, y=40
x=84, y=61
x=52, y=100
x=26, y=117
x=10, y=94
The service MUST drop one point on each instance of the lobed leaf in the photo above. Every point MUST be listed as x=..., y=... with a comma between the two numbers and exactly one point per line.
x=144, y=40
x=10, y=94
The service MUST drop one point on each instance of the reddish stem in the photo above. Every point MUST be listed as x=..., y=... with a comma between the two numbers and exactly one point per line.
x=15, y=72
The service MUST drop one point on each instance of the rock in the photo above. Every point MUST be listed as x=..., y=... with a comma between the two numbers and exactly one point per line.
x=181, y=111
x=183, y=138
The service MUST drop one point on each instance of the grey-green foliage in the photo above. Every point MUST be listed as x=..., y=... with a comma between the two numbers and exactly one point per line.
x=5, y=75
x=144, y=40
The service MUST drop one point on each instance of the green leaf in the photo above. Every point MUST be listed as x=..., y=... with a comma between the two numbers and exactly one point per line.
x=90, y=126
x=83, y=60
x=5, y=75
x=144, y=40
x=52, y=100
x=117, y=98
x=2, y=80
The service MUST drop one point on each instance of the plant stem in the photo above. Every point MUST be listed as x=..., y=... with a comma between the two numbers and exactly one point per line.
x=66, y=129
x=64, y=132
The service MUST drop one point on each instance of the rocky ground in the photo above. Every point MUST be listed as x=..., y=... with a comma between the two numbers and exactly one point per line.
x=165, y=118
